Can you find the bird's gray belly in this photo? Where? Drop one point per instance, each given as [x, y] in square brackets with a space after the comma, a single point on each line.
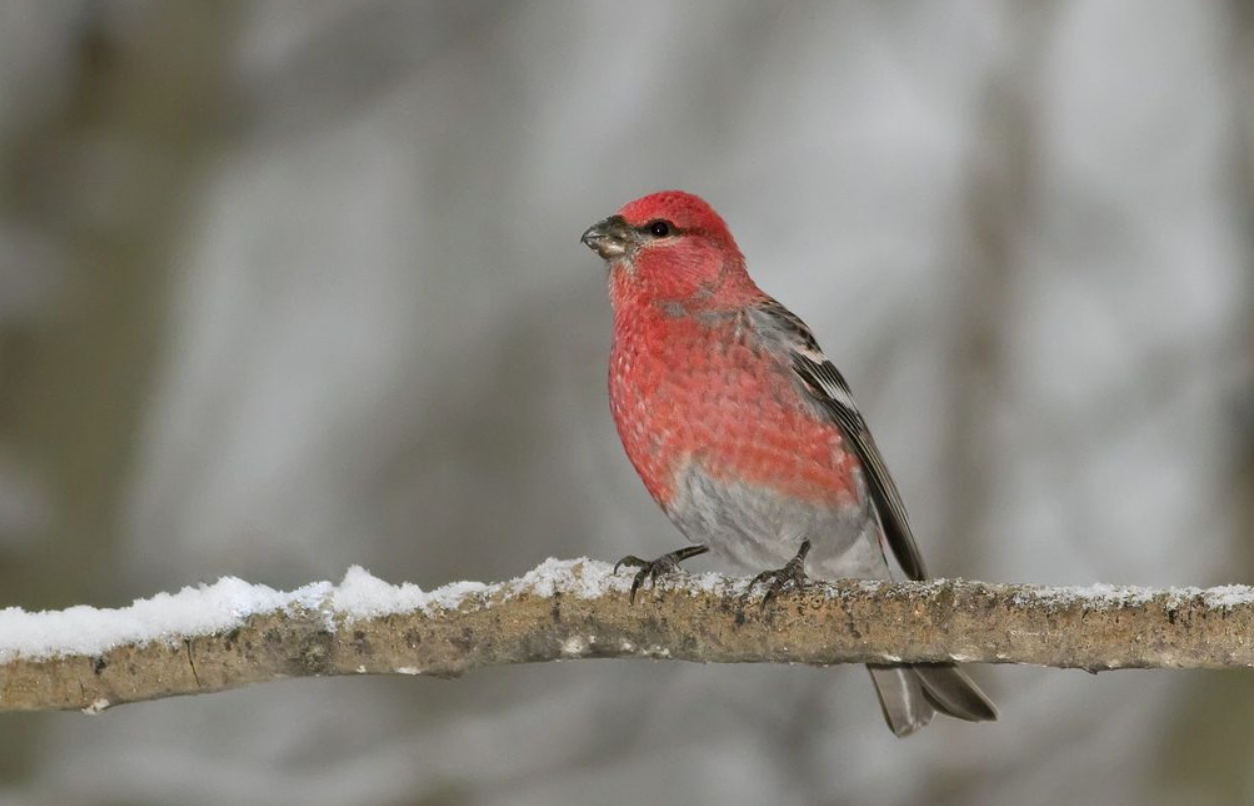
[759, 530]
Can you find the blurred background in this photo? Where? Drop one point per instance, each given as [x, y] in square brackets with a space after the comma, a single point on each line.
[290, 285]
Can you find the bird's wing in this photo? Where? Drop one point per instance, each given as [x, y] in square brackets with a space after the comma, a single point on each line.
[824, 383]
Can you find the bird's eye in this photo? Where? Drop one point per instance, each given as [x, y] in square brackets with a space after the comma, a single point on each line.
[660, 229]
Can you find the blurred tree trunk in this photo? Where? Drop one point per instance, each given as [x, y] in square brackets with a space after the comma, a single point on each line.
[997, 210]
[108, 175]
[1206, 752]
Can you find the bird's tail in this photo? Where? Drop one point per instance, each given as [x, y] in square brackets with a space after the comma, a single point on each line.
[912, 695]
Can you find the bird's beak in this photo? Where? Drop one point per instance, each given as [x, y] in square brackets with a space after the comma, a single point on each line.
[610, 238]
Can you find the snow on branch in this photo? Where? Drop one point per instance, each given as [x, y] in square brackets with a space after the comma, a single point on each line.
[231, 634]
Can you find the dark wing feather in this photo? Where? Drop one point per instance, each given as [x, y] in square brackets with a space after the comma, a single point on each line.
[828, 388]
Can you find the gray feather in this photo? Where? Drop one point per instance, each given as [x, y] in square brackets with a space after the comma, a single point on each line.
[952, 692]
[911, 695]
[906, 707]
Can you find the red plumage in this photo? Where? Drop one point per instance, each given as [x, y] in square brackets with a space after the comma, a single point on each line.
[684, 386]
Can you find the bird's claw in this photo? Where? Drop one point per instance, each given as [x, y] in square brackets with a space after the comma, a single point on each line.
[792, 575]
[652, 570]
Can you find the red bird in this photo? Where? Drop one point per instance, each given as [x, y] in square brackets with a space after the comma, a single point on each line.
[746, 435]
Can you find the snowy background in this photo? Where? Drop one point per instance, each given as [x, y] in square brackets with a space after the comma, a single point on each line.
[287, 286]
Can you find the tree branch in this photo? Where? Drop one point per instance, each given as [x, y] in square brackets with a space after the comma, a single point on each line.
[231, 634]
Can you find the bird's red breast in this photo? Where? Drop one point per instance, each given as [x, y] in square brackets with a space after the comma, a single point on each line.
[697, 386]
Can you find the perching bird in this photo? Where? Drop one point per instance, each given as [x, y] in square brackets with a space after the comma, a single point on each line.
[746, 435]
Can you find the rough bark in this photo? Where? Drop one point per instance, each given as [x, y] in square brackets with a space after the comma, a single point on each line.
[578, 609]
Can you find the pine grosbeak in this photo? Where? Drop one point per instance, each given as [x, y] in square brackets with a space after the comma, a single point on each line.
[746, 435]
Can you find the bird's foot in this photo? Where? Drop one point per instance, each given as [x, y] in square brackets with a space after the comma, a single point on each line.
[652, 570]
[792, 575]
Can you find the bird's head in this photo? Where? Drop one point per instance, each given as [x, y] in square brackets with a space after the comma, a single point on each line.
[671, 247]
